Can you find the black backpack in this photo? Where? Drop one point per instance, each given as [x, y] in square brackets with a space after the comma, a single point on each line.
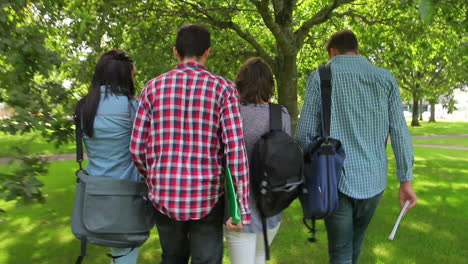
[276, 170]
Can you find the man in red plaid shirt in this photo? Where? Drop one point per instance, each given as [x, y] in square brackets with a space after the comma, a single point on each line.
[182, 118]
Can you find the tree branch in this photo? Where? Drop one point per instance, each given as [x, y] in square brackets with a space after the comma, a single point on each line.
[353, 13]
[323, 15]
[230, 25]
[263, 10]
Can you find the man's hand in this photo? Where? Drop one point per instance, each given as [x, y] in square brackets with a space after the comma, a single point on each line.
[407, 193]
[232, 227]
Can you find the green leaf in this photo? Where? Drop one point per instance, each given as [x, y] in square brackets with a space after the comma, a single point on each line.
[426, 11]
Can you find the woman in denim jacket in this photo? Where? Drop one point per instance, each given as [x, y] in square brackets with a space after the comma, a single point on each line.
[107, 117]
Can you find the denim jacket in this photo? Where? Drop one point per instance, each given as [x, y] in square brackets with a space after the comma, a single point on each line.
[108, 150]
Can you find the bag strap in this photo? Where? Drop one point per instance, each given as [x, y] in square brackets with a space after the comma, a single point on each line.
[80, 258]
[79, 134]
[119, 256]
[265, 237]
[326, 92]
[276, 122]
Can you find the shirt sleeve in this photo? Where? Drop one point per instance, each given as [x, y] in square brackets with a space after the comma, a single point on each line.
[141, 127]
[308, 126]
[236, 155]
[399, 134]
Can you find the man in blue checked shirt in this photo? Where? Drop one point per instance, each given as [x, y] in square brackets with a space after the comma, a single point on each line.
[366, 109]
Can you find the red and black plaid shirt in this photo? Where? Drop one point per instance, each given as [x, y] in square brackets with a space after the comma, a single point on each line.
[176, 141]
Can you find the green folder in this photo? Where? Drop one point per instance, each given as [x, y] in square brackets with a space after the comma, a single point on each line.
[231, 197]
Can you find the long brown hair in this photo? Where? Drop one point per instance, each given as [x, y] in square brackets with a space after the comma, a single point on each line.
[255, 81]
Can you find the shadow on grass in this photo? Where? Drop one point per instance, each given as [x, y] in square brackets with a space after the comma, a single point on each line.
[41, 233]
[433, 232]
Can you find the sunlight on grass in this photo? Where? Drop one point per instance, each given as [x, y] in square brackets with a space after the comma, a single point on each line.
[420, 227]
[457, 141]
[440, 128]
[25, 223]
[382, 250]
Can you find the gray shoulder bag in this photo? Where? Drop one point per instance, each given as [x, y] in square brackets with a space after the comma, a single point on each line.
[108, 211]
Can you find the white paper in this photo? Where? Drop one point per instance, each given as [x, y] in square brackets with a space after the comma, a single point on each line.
[397, 223]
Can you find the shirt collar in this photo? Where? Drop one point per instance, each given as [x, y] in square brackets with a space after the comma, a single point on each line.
[190, 64]
[348, 58]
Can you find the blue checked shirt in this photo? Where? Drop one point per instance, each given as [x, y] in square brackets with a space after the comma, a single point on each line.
[366, 109]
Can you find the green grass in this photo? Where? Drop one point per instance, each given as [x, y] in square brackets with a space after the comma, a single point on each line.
[440, 128]
[32, 144]
[433, 232]
[459, 141]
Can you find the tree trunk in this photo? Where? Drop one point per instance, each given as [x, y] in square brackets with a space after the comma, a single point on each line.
[421, 106]
[415, 121]
[432, 117]
[286, 80]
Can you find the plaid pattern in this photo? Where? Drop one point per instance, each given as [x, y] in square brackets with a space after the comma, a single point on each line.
[366, 108]
[175, 141]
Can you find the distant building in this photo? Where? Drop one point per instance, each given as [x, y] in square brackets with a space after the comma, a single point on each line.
[461, 106]
[441, 113]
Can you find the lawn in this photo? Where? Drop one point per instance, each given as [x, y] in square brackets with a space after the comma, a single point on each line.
[440, 128]
[32, 144]
[433, 232]
[35, 144]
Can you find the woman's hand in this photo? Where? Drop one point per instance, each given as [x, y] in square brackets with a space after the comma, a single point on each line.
[232, 227]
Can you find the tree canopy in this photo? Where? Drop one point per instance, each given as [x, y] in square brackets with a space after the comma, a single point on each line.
[48, 49]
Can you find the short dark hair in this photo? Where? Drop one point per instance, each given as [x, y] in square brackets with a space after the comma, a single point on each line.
[343, 41]
[192, 40]
[255, 81]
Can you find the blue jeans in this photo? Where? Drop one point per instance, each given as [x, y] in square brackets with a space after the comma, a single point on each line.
[201, 239]
[129, 256]
[346, 227]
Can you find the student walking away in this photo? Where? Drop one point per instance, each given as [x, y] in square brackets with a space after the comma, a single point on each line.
[255, 85]
[366, 108]
[183, 118]
[106, 114]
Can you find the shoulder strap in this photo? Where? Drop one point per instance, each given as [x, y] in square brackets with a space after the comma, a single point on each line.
[276, 122]
[79, 134]
[326, 91]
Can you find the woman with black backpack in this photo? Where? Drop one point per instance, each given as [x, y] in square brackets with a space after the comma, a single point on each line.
[255, 84]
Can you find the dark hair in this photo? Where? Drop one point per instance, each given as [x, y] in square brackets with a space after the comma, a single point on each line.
[255, 81]
[114, 71]
[192, 40]
[343, 41]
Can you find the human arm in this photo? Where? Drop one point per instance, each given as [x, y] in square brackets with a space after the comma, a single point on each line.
[308, 126]
[139, 139]
[402, 145]
[234, 149]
